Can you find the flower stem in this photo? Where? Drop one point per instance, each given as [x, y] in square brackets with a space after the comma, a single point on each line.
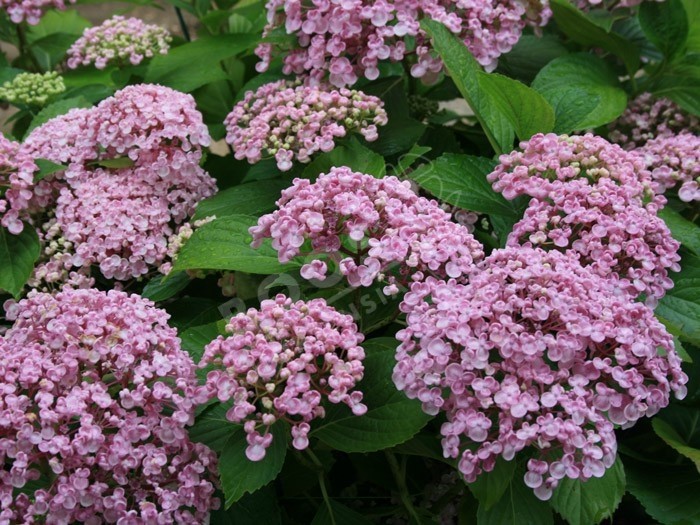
[399, 473]
[322, 482]
[183, 24]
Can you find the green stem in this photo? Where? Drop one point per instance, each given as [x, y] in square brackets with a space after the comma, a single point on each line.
[23, 45]
[322, 482]
[399, 473]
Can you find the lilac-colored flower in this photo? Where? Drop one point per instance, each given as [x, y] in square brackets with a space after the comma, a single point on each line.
[673, 160]
[646, 118]
[281, 362]
[617, 237]
[290, 122]
[118, 40]
[97, 393]
[378, 228]
[342, 41]
[536, 352]
[17, 175]
[30, 10]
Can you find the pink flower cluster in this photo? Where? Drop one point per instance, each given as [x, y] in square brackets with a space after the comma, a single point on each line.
[646, 118]
[538, 352]
[17, 175]
[675, 159]
[279, 363]
[589, 200]
[30, 10]
[117, 40]
[343, 40]
[95, 398]
[292, 122]
[119, 218]
[384, 231]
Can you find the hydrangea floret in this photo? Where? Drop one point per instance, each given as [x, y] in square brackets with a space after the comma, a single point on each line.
[647, 117]
[118, 218]
[32, 89]
[118, 40]
[536, 353]
[343, 41]
[379, 229]
[95, 400]
[30, 10]
[280, 363]
[674, 160]
[16, 179]
[291, 122]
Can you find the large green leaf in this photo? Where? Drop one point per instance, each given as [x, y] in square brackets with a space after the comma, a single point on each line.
[213, 429]
[53, 22]
[253, 198]
[160, 288]
[585, 31]
[590, 502]
[224, 244]
[529, 56]
[668, 494]
[239, 475]
[665, 24]
[583, 90]
[517, 506]
[391, 417]
[681, 83]
[195, 64]
[684, 231]
[692, 10]
[503, 106]
[351, 154]
[342, 515]
[489, 487]
[679, 427]
[18, 253]
[680, 307]
[259, 508]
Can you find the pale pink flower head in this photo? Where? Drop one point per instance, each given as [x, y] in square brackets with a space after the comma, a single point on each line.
[30, 10]
[97, 393]
[283, 362]
[118, 40]
[378, 230]
[17, 171]
[291, 122]
[674, 160]
[535, 353]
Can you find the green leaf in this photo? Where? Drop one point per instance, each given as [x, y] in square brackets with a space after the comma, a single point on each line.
[351, 154]
[665, 24]
[57, 108]
[684, 231]
[583, 90]
[54, 21]
[668, 494]
[681, 83]
[116, 163]
[18, 253]
[680, 307]
[158, 290]
[195, 64]
[51, 50]
[253, 198]
[239, 475]
[577, 26]
[503, 106]
[517, 506]
[259, 508]
[224, 244]
[590, 502]
[391, 417]
[529, 56]
[342, 515]
[460, 180]
[213, 429]
[87, 77]
[489, 487]
[692, 10]
[679, 427]
[46, 168]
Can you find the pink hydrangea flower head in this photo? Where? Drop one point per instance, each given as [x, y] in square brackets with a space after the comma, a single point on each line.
[97, 391]
[378, 228]
[17, 175]
[64, 139]
[546, 162]
[617, 237]
[536, 352]
[646, 118]
[291, 122]
[30, 10]
[281, 362]
[673, 160]
[118, 40]
[342, 41]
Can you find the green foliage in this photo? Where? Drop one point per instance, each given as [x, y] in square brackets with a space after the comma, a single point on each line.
[18, 253]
